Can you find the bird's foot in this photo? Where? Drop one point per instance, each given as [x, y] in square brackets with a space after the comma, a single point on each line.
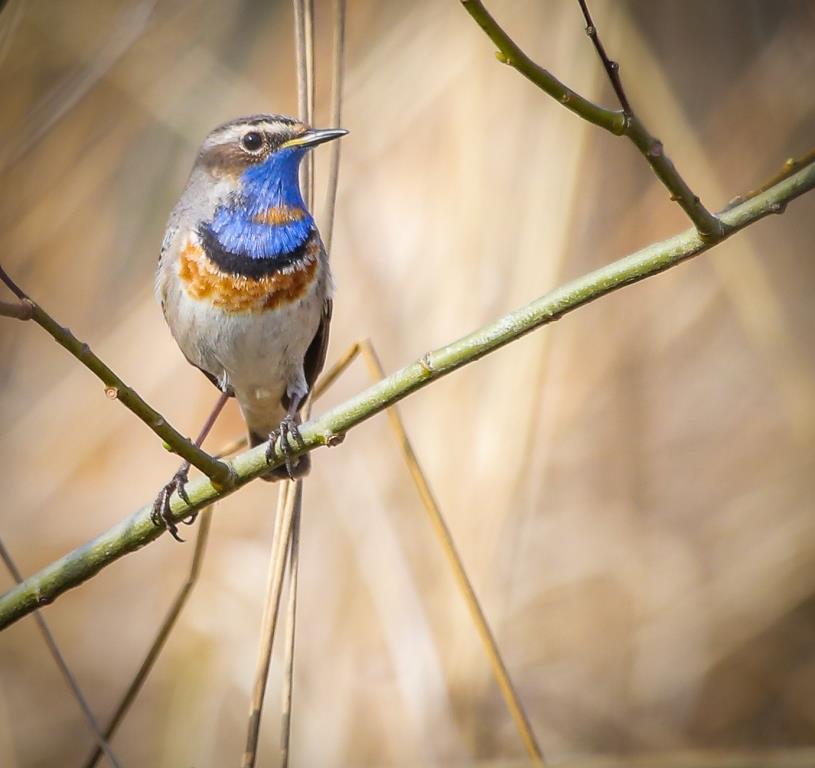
[161, 515]
[289, 426]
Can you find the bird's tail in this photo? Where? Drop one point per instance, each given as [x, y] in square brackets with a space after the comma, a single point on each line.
[300, 466]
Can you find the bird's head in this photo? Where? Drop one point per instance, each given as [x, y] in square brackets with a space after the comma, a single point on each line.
[254, 162]
[261, 152]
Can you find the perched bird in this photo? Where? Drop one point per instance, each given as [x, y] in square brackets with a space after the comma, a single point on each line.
[243, 278]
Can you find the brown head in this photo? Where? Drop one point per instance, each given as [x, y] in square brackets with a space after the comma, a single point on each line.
[232, 148]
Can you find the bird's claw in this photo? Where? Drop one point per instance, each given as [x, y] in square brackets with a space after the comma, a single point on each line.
[161, 515]
[289, 426]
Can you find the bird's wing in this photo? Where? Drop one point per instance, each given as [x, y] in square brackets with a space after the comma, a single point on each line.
[315, 354]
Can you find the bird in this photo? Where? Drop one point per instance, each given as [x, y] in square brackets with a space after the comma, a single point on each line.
[244, 282]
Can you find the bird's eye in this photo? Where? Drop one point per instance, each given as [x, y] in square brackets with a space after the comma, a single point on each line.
[252, 141]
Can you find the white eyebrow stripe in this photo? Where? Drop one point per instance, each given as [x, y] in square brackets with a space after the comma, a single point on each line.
[231, 133]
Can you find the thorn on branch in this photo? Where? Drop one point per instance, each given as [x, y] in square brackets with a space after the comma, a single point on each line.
[424, 361]
[334, 439]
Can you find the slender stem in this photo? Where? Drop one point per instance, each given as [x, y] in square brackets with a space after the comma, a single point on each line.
[288, 515]
[791, 165]
[329, 428]
[304, 43]
[181, 598]
[101, 739]
[218, 471]
[612, 67]
[499, 669]
[336, 370]
[337, 73]
[291, 617]
[509, 52]
[308, 114]
[620, 123]
[288, 499]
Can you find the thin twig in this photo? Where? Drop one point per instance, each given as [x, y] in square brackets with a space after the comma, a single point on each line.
[59, 659]
[163, 633]
[304, 37]
[219, 472]
[286, 503]
[710, 227]
[288, 649]
[337, 77]
[304, 45]
[330, 427]
[499, 669]
[178, 603]
[308, 114]
[791, 165]
[233, 446]
[612, 67]
[335, 371]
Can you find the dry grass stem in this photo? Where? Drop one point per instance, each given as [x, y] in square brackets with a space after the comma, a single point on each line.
[166, 627]
[65, 671]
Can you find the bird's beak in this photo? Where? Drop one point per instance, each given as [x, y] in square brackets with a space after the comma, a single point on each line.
[313, 137]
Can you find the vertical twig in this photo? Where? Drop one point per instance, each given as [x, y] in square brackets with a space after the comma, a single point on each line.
[286, 502]
[304, 34]
[304, 43]
[291, 615]
[337, 77]
[53, 648]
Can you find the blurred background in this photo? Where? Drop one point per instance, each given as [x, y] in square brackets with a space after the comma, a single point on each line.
[631, 489]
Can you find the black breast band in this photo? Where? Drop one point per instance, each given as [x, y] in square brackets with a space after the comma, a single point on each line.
[239, 264]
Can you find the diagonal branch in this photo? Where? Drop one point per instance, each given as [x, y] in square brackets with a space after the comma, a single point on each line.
[330, 428]
[612, 67]
[69, 677]
[218, 471]
[620, 123]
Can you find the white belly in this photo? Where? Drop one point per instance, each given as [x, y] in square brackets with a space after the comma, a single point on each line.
[258, 354]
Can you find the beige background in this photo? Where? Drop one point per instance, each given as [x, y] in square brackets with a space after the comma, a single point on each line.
[631, 489]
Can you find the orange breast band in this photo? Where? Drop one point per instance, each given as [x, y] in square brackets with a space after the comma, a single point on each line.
[203, 281]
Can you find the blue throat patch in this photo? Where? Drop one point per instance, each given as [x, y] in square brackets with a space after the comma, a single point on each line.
[237, 238]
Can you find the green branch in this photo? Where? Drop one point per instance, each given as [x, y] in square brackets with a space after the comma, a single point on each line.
[330, 428]
[619, 122]
[218, 471]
